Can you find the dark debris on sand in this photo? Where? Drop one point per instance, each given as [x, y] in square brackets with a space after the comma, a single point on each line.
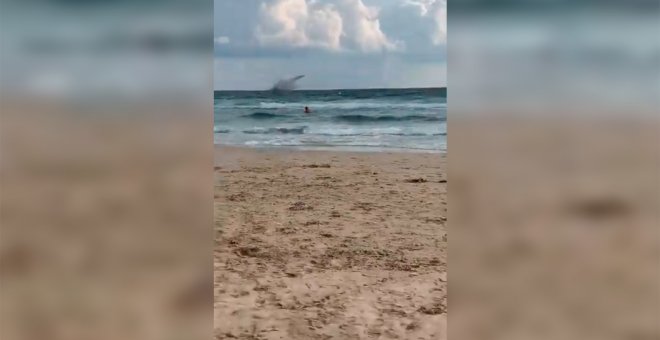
[314, 166]
[298, 206]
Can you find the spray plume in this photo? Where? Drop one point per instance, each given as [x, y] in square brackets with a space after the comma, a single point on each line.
[286, 84]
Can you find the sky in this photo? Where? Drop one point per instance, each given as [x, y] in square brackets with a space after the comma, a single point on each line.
[334, 43]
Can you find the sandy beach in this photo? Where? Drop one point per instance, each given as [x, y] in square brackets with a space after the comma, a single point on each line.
[329, 245]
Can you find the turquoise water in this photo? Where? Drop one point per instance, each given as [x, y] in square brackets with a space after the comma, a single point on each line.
[370, 119]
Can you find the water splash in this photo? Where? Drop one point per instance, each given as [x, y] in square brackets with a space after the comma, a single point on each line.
[286, 84]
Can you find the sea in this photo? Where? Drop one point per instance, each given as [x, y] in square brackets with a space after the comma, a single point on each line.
[413, 119]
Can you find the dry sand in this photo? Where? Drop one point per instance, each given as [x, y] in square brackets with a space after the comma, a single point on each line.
[330, 245]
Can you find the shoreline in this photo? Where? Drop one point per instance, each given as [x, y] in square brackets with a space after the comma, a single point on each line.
[356, 149]
[228, 154]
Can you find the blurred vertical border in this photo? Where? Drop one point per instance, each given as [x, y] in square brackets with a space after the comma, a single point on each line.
[554, 169]
[106, 169]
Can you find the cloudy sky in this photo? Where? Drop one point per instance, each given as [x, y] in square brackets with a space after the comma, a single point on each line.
[335, 43]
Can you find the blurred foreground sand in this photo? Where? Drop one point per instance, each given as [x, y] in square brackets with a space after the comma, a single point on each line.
[105, 223]
[555, 230]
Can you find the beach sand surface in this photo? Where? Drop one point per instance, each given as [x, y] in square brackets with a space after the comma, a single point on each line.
[329, 245]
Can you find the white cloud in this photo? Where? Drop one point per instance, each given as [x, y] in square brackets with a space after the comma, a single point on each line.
[328, 24]
[434, 11]
[221, 40]
[268, 39]
[420, 24]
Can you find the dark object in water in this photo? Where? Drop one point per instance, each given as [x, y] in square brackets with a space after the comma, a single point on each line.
[281, 130]
[263, 115]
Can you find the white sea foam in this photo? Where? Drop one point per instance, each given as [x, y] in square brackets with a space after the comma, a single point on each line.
[354, 104]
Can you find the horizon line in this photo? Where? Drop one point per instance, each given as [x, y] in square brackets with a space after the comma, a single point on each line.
[353, 88]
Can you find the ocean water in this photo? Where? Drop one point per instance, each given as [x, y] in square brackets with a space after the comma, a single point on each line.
[369, 119]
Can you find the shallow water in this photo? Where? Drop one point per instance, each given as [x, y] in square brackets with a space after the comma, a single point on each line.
[371, 119]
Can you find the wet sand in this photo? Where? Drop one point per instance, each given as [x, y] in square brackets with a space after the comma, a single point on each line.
[329, 245]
